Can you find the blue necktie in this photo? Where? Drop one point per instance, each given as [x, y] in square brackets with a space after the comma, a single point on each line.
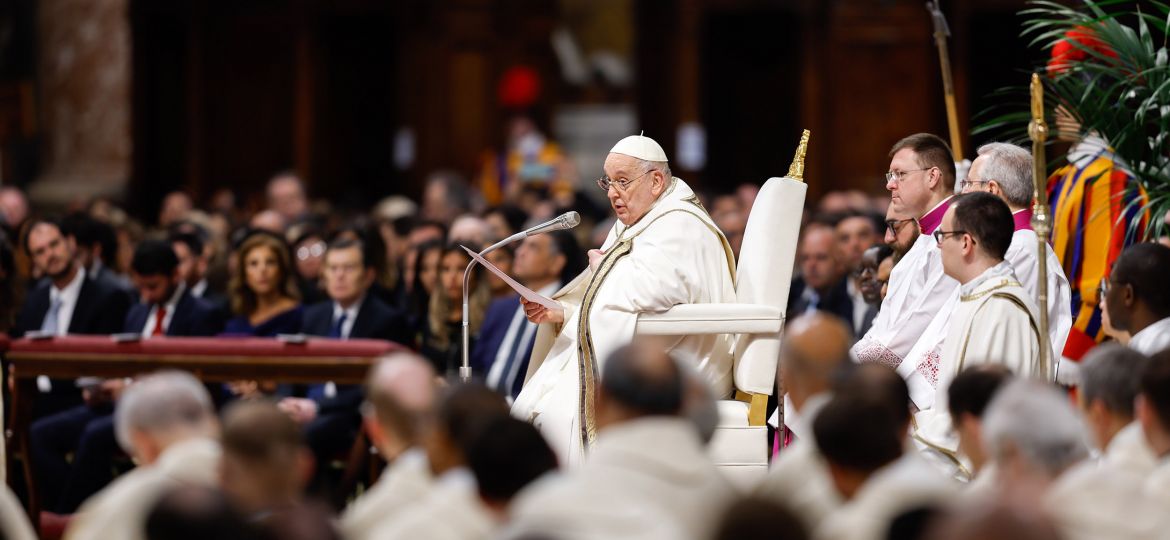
[813, 301]
[49, 325]
[504, 385]
[338, 323]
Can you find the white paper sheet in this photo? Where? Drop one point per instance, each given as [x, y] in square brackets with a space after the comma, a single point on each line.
[525, 292]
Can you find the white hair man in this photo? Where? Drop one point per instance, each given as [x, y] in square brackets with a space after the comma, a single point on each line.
[1103, 498]
[663, 250]
[167, 423]
[1032, 434]
[400, 401]
[1005, 170]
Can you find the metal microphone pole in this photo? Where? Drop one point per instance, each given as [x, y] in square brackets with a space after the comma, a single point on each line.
[564, 221]
[465, 368]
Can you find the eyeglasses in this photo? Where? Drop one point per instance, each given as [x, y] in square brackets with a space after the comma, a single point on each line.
[604, 182]
[1103, 288]
[939, 234]
[316, 249]
[964, 184]
[896, 176]
[894, 224]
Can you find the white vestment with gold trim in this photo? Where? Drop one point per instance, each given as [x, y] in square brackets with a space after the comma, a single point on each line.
[673, 255]
[994, 322]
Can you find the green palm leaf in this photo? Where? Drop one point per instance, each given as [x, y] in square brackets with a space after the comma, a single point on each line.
[1120, 91]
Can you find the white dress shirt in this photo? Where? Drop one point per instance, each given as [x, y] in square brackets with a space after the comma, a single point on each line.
[68, 298]
[520, 329]
[148, 328]
[350, 315]
[1153, 338]
[859, 304]
[199, 289]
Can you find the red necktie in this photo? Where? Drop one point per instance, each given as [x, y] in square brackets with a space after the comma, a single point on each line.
[159, 315]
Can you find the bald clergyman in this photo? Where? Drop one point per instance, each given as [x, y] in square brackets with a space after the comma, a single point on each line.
[664, 250]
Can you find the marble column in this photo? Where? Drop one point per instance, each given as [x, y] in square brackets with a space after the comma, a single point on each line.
[83, 67]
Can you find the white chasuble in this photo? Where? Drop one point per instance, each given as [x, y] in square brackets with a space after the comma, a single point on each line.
[673, 255]
[994, 322]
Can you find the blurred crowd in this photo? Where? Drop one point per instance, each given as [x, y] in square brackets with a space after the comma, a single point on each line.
[167, 456]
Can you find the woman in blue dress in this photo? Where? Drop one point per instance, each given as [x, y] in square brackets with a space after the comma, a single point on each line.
[265, 299]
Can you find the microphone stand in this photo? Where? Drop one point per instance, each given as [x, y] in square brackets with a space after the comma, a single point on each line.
[465, 368]
[564, 221]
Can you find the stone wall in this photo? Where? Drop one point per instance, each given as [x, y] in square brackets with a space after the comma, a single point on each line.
[83, 66]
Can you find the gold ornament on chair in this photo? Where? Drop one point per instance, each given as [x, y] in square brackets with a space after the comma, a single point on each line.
[796, 170]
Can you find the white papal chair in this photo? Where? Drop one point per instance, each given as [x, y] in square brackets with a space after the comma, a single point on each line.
[740, 446]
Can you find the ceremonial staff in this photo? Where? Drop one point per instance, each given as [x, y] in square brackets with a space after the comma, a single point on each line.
[1038, 132]
[941, 33]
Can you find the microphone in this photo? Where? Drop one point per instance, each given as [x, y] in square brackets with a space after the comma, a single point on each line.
[568, 220]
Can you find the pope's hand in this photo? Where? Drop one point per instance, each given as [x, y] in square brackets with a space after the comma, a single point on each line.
[595, 256]
[539, 314]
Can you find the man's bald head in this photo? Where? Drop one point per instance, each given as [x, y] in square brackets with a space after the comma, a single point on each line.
[401, 390]
[814, 348]
[639, 380]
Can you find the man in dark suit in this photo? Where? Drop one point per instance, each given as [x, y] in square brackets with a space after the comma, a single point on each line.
[328, 412]
[97, 245]
[190, 246]
[67, 301]
[81, 306]
[88, 430]
[543, 263]
[822, 283]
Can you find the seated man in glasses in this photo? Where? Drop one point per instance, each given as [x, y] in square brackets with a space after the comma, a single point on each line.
[663, 250]
[995, 320]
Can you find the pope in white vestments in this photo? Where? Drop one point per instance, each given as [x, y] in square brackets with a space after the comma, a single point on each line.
[663, 251]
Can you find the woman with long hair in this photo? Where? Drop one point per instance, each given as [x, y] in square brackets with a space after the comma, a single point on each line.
[263, 289]
[425, 274]
[442, 341]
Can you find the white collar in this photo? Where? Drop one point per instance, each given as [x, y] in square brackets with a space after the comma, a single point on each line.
[1086, 149]
[1152, 338]
[351, 311]
[199, 288]
[459, 478]
[1003, 269]
[175, 296]
[551, 288]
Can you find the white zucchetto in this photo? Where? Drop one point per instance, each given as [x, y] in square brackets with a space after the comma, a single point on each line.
[641, 147]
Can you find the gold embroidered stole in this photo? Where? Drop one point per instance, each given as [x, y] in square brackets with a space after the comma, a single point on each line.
[993, 292]
[587, 368]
